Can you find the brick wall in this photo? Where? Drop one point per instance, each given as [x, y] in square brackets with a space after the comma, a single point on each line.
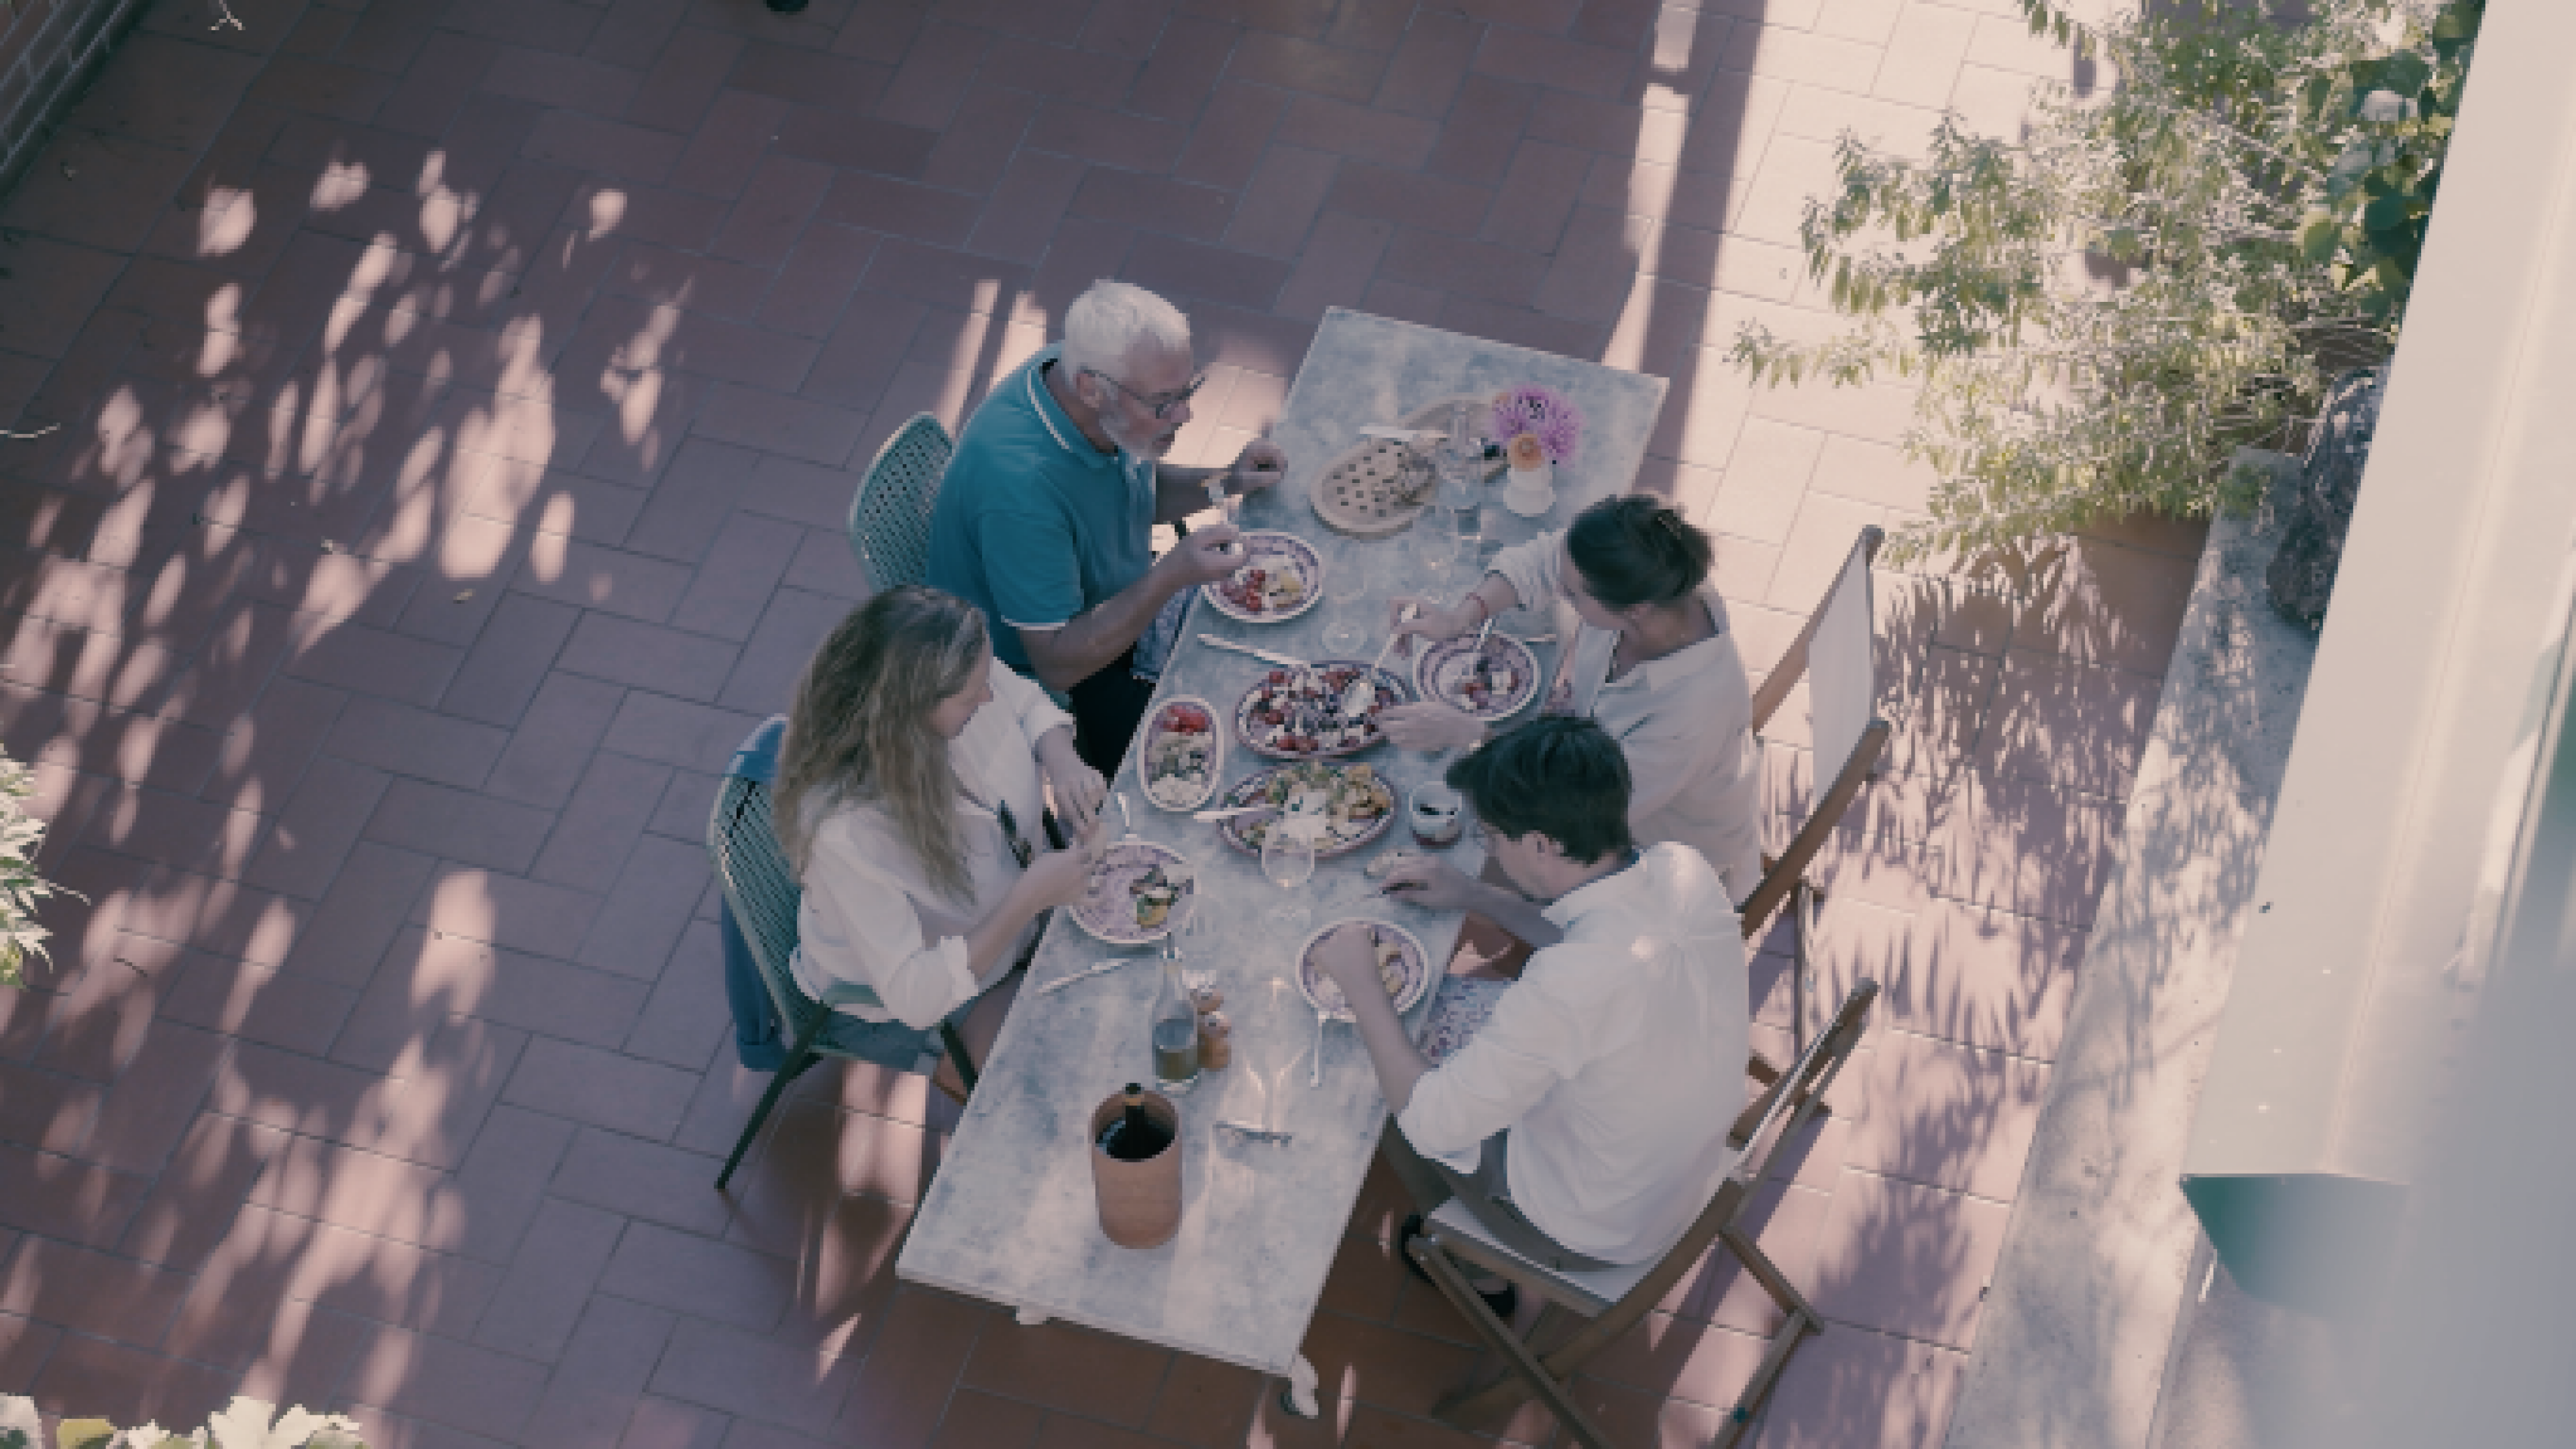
[48, 52]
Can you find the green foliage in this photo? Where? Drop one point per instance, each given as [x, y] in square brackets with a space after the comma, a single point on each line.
[2102, 312]
[243, 1424]
[20, 887]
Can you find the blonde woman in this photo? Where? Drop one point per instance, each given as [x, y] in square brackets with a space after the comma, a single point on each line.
[909, 804]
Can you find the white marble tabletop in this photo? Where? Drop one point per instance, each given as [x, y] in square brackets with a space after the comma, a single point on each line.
[1011, 1216]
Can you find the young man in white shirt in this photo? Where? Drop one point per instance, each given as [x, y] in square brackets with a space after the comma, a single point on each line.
[1585, 1124]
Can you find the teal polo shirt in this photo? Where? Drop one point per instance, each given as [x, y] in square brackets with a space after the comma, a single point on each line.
[1034, 525]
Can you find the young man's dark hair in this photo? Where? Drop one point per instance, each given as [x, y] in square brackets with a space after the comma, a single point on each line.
[1562, 776]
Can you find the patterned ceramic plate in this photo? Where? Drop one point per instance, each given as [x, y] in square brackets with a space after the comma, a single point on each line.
[1130, 899]
[1296, 714]
[1402, 963]
[1493, 683]
[1360, 806]
[1280, 578]
[1183, 755]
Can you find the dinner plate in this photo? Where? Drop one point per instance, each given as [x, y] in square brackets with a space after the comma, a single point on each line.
[1441, 669]
[1352, 835]
[1107, 908]
[1268, 551]
[1158, 728]
[1307, 706]
[1326, 997]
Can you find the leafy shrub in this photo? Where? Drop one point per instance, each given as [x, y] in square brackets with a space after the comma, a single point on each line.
[2102, 312]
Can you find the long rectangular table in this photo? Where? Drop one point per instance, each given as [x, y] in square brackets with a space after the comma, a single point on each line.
[1011, 1215]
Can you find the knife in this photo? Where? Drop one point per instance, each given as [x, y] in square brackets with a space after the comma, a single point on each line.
[1290, 660]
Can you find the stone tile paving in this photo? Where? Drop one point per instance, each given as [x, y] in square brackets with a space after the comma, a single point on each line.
[447, 412]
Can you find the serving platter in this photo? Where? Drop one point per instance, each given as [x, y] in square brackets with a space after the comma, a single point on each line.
[1182, 756]
[1296, 714]
[1363, 813]
[1378, 486]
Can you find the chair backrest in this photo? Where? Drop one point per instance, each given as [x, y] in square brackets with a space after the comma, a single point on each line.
[1836, 653]
[1824, 647]
[890, 516]
[1770, 1120]
[759, 887]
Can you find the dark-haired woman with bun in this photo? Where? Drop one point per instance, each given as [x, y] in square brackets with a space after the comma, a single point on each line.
[1653, 660]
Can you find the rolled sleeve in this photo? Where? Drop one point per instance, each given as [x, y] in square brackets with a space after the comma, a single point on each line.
[1511, 1065]
[857, 926]
[1031, 567]
[1027, 703]
[1530, 569]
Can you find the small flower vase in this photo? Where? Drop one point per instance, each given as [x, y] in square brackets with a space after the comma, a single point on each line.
[1530, 491]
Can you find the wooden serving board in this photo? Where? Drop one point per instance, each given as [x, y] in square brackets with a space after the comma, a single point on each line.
[1371, 492]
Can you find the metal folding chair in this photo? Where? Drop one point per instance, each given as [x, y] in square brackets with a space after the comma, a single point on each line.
[763, 895]
[1454, 1246]
[890, 515]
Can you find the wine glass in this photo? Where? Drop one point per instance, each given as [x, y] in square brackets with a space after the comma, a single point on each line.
[1288, 858]
[1348, 602]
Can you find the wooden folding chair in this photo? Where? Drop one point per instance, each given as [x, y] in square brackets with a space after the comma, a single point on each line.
[1836, 654]
[1454, 1245]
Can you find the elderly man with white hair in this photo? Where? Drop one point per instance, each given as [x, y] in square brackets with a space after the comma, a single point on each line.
[1046, 518]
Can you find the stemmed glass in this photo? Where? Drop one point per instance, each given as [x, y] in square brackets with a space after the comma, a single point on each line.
[1347, 600]
[1288, 858]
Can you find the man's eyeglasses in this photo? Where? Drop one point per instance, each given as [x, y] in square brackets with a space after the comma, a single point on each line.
[1161, 407]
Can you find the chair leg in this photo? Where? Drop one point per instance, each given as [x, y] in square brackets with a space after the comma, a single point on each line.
[1784, 1342]
[778, 1080]
[1475, 1402]
[956, 1047]
[1802, 925]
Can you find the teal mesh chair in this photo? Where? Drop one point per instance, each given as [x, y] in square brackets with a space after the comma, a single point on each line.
[763, 895]
[890, 517]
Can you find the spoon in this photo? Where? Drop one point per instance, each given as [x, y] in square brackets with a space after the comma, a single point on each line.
[1363, 690]
[1315, 1071]
[1121, 797]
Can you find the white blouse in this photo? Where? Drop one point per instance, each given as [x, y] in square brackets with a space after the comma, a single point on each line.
[870, 914]
[1685, 721]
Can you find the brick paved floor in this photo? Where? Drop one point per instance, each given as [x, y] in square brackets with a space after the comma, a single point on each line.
[455, 403]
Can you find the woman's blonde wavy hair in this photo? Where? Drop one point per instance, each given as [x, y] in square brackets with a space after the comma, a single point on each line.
[859, 730]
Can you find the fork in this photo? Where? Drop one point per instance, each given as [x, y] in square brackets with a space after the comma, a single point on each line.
[1363, 690]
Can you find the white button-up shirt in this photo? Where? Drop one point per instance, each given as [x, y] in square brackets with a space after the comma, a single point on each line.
[1617, 1061]
[1685, 722]
[871, 916]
